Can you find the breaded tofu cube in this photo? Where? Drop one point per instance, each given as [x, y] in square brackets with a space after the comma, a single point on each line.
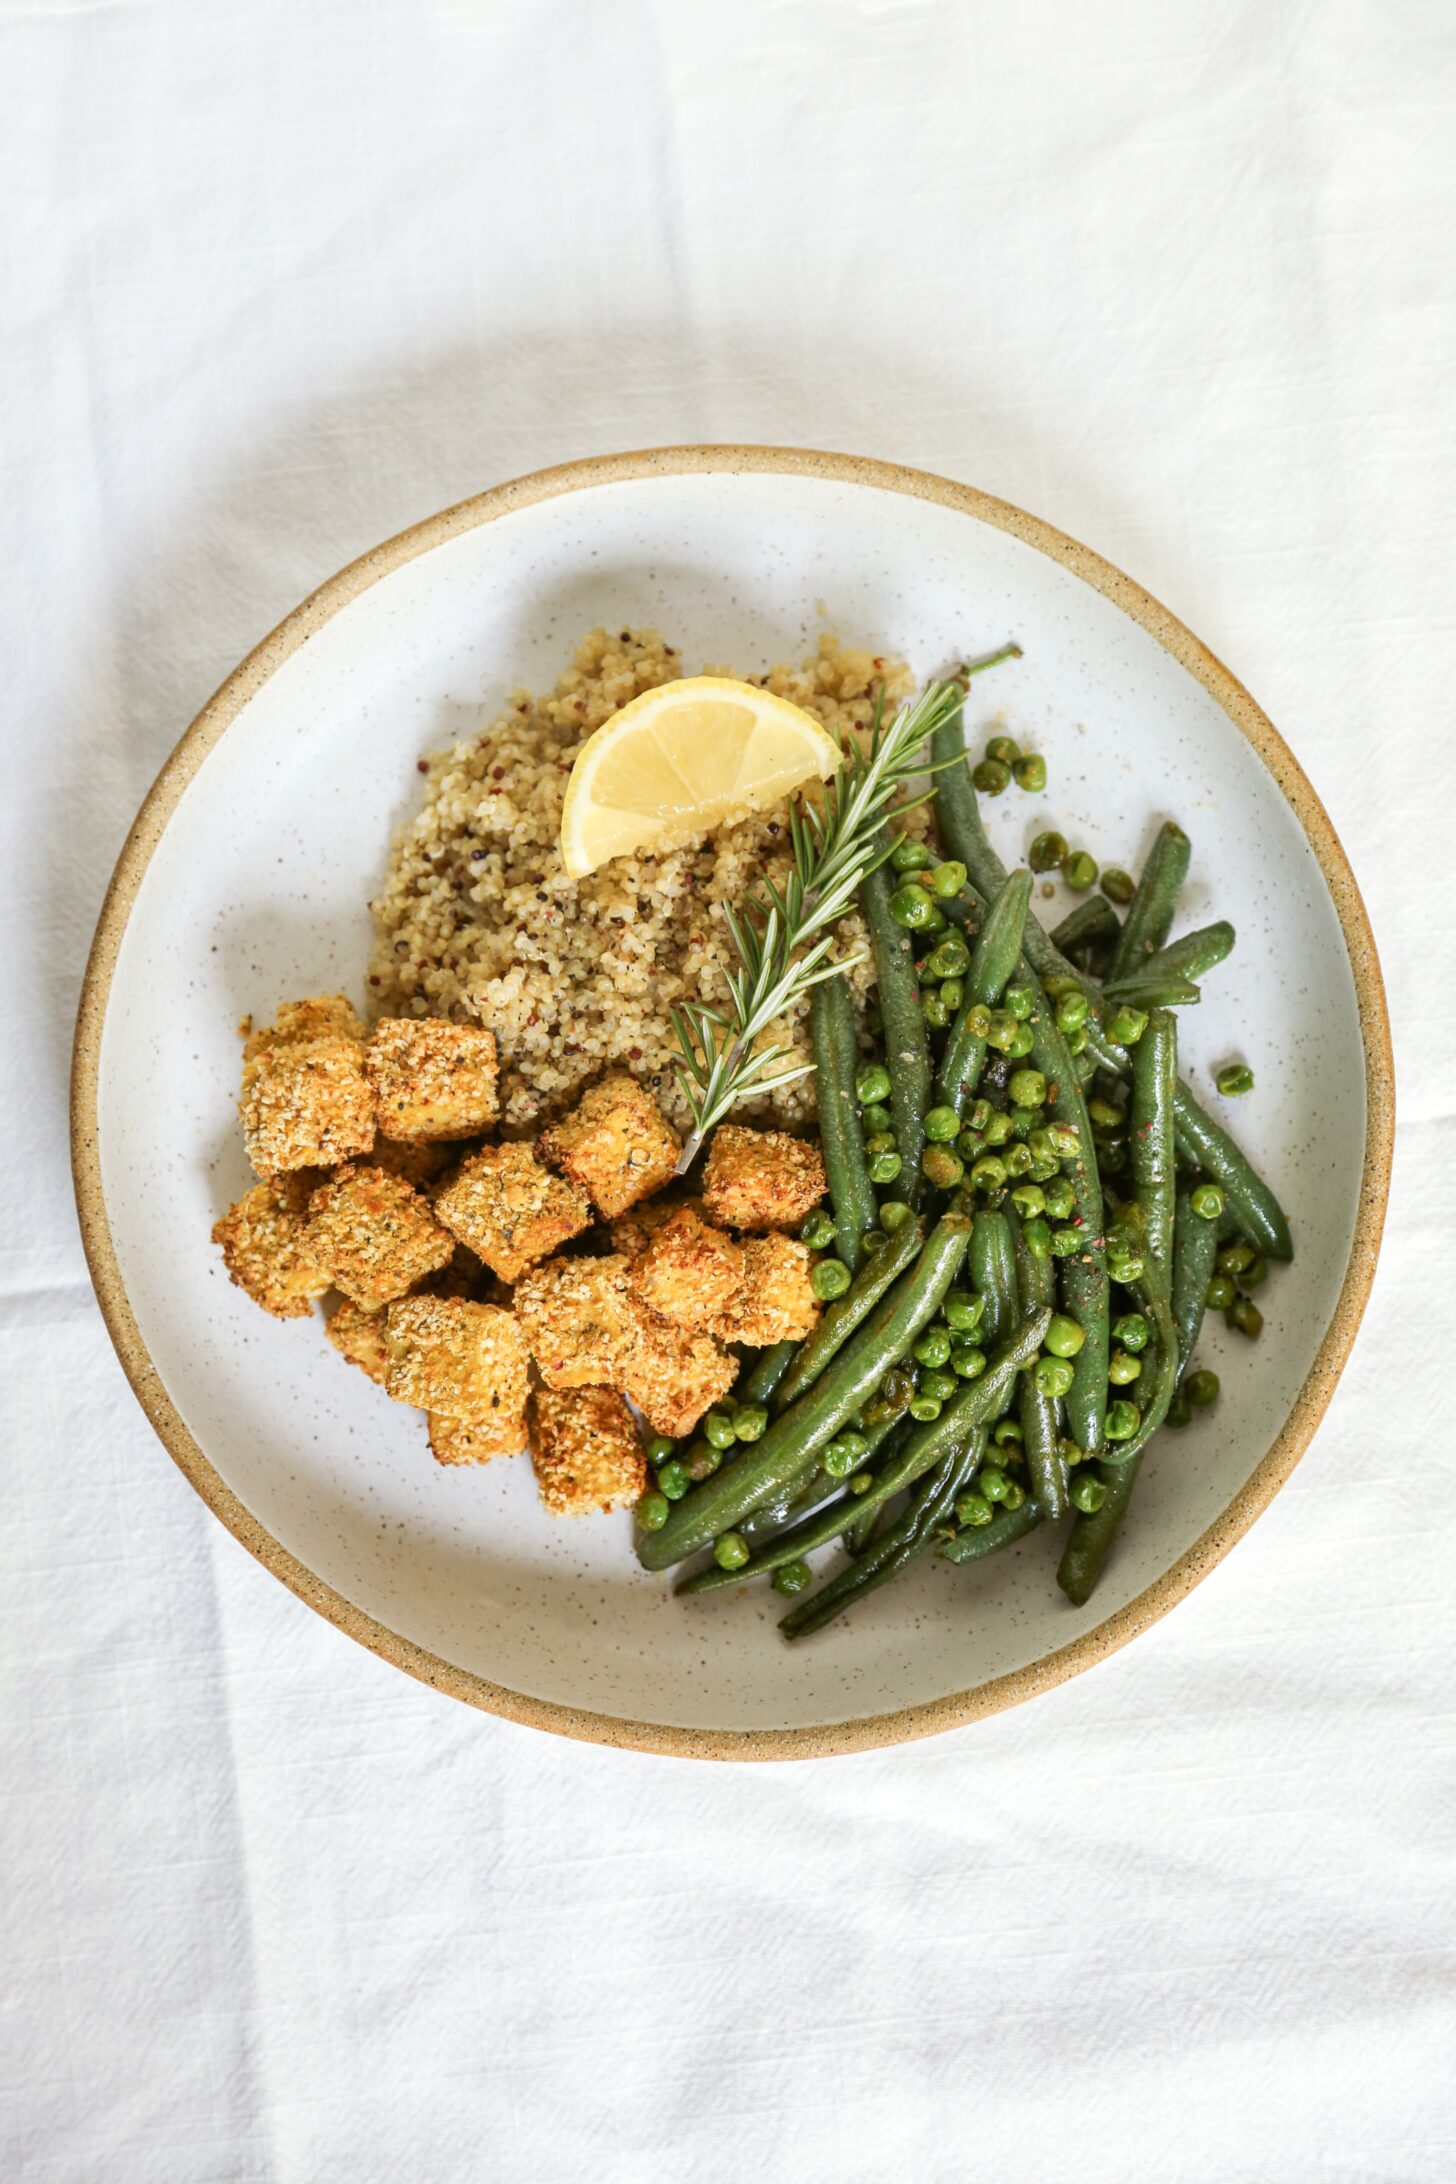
[375, 1236]
[306, 1106]
[673, 1376]
[775, 1302]
[761, 1179]
[616, 1143]
[421, 1163]
[467, 1361]
[690, 1273]
[299, 1023]
[511, 1210]
[452, 1441]
[266, 1247]
[586, 1451]
[633, 1231]
[432, 1078]
[359, 1336]
[578, 1320]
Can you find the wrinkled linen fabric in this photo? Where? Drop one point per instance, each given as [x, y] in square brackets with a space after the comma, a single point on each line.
[278, 280]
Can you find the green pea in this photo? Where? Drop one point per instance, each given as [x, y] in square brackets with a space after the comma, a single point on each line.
[1079, 1040]
[993, 1482]
[1006, 1432]
[1020, 1043]
[1104, 1114]
[881, 1141]
[935, 923]
[967, 1362]
[1123, 1420]
[951, 957]
[861, 1482]
[818, 1231]
[1253, 1276]
[933, 1348]
[941, 1385]
[1037, 1237]
[941, 1125]
[894, 1213]
[934, 1009]
[673, 1480]
[874, 1239]
[1028, 1087]
[948, 879]
[911, 907]
[873, 1085]
[658, 1449]
[1041, 1170]
[1234, 1080]
[963, 1309]
[908, 856]
[1206, 1201]
[1178, 1411]
[702, 1460]
[876, 1116]
[1061, 1197]
[988, 1173]
[973, 1510]
[1016, 1160]
[1003, 750]
[1047, 852]
[1014, 1496]
[1123, 1369]
[941, 1167]
[1118, 886]
[1087, 1493]
[1126, 1024]
[953, 993]
[829, 1279]
[1220, 1293]
[1054, 1375]
[980, 1114]
[992, 777]
[1029, 773]
[1066, 1139]
[653, 1511]
[1064, 1338]
[924, 1408]
[750, 1422]
[1236, 1258]
[730, 1551]
[1065, 1242]
[1071, 1011]
[791, 1578]
[1002, 1030]
[1125, 1267]
[1079, 870]
[719, 1430]
[884, 1167]
[1132, 1331]
[1201, 1389]
[1020, 1002]
[1028, 1199]
[1247, 1318]
[838, 1460]
[999, 1127]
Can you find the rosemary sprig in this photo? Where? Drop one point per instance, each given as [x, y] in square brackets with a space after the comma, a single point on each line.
[832, 844]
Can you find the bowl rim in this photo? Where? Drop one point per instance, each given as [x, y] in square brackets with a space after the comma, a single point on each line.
[871, 1731]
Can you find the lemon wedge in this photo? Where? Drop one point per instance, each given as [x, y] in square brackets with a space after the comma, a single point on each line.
[679, 760]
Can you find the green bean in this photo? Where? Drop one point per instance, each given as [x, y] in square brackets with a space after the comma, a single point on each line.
[930, 1507]
[1040, 1417]
[765, 1375]
[1195, 953]
[907, 1050]
[800, 1493]
[846, 1313]
[1152, 990]
[1257, 1213]
[991, 1264]
[835, 1043]
[1090, 925]
[1195, 1245]
[798, 1434]
[1150, 913]
[997, 952]
[1004, 1529]
[1154, 1080]
[975, 1406]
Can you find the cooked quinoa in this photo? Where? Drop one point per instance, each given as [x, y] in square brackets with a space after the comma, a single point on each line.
[478, 921]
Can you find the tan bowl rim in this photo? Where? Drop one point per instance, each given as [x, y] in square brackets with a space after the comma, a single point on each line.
[757, 1744]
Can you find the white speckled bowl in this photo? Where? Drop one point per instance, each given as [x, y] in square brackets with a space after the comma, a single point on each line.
[245, 882]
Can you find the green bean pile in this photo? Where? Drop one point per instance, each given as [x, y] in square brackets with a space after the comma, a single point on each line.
[1029, 1217]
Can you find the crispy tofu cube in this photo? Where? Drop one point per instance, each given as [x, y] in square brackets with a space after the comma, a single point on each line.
[775, 1302]
[511, 1210]
[761, 1179]
[375, 1236]
[673, 1376]
[299, 1023]
[266, 1247]
[359, 1336]
[586, 1451]
[615, 1143]
[452, 1441]
[578, 1320]
[690, 1273]
[306, 1105]
[633, 1231]
[431, 1078]
[467, 1361]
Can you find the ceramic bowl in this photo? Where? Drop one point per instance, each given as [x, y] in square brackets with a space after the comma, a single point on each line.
[245, 882]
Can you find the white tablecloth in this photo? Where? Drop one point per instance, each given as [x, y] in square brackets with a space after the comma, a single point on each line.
[279, 279]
